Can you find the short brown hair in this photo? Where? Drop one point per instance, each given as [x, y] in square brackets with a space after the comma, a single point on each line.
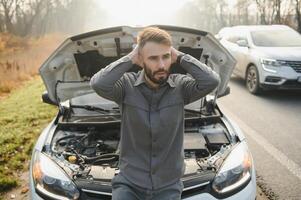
[153, 34]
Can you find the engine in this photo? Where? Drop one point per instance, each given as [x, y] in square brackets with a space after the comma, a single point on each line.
[93, 153]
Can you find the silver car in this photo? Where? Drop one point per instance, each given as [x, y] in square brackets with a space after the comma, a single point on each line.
[77, 154]
[268, 56]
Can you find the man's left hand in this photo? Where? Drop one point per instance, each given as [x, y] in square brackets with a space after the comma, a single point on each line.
[174, 54]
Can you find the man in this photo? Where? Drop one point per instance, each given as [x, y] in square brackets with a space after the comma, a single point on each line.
[152, 105]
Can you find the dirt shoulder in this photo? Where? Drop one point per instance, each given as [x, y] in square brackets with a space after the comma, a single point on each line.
[22, 191]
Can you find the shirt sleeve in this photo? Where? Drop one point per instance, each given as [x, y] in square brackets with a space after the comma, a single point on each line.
[203, 81]
[108, 82]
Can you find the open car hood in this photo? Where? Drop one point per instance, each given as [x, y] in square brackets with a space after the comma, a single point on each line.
[66, 73]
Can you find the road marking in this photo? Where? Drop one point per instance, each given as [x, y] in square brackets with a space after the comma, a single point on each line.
[293, 167]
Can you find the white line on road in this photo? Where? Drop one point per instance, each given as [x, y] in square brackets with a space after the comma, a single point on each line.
[294, 168]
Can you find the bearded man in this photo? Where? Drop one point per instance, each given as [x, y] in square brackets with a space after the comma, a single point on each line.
[152, 104]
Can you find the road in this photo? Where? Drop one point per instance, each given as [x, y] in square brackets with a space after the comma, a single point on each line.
[272, 125]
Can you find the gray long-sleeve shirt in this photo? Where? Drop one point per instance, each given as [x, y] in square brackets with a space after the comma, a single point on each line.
[152, 125]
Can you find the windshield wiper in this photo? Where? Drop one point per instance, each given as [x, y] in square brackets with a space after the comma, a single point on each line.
[97, 109]
[192, 110]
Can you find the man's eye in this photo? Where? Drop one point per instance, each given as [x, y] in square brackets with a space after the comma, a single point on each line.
[166, 56]
[153, 58]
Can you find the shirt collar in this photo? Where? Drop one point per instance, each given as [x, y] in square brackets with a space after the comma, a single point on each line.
[141, 79]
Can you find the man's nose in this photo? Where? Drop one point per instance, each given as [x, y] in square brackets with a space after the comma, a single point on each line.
[161, 63]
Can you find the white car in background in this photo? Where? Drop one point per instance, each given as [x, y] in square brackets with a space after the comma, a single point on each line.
[77, 154]
[268, 56]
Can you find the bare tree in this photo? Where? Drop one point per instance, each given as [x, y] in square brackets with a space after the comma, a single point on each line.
[277, 7]
[220, 15]
[35, 17]
[2, 26]
[26, 17]
[261, 6]
[298, 15]
[203, 14]
[270, 11]
[38, 17]
[9, 7]
[242, 12]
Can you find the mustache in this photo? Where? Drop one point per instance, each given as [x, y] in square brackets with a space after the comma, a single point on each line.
[160, 70]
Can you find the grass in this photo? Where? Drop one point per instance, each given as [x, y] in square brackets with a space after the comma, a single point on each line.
[11, 43]
[22, 118]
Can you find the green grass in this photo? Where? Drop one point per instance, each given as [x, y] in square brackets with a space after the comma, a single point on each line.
[23, 116]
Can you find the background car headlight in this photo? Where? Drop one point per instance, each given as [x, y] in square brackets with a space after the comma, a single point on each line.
[235, 171]
[271, 62]
[50, 180]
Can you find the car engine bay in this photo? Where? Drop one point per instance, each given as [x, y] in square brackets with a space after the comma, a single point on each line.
[88, 152]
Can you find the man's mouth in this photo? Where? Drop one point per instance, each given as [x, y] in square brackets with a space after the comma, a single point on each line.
[160, 73]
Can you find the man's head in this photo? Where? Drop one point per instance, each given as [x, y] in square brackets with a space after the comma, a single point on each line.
[155, 51]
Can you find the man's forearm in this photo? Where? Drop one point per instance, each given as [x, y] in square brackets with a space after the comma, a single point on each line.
[205, 79]
[105, 82]
[198, 70]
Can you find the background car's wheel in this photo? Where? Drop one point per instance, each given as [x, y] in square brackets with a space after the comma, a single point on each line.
[252, 80]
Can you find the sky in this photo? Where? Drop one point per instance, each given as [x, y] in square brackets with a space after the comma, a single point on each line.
[139, 12]
[109, 13]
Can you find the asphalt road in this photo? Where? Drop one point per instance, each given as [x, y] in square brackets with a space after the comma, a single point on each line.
[272, 125]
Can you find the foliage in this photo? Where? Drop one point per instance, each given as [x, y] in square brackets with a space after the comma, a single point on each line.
[22, 118]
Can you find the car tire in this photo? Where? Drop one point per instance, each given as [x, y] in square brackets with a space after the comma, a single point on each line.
[252, 80]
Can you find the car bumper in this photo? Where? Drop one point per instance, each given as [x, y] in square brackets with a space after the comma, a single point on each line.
[247, 193]
[286, 85]
[284, 78]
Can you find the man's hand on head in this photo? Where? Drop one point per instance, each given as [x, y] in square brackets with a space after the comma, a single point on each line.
[135, 56]
[174, 54]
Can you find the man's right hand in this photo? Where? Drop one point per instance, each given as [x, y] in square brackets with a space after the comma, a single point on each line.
[135, 56]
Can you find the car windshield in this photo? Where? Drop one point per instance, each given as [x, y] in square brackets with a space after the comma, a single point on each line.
[276, 38]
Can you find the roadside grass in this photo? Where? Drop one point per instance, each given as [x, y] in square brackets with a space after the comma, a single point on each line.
[23, 116]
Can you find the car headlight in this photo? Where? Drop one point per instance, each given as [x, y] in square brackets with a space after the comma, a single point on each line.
[271, 62]
[50, 180]
[235, 171]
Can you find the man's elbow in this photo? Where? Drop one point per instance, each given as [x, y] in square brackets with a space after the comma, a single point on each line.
[97, 86]
[215, 81]
[93, 83]
[97, 82]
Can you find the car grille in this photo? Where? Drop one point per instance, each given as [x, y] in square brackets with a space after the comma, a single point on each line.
[187, 192]
[195, 190]
[291, 84]
[296, 65]
[93, 195]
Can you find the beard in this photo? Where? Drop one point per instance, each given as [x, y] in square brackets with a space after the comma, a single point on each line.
[151, 75]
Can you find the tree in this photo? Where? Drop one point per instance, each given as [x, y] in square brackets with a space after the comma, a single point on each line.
[298, 15]
[242, 11]
[8, 8]
[26, 17]
[36, 17]
[277, 7]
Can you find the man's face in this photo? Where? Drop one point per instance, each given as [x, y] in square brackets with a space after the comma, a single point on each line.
[156, 61]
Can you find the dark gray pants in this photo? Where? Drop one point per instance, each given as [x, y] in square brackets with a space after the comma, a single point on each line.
[125, 190]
